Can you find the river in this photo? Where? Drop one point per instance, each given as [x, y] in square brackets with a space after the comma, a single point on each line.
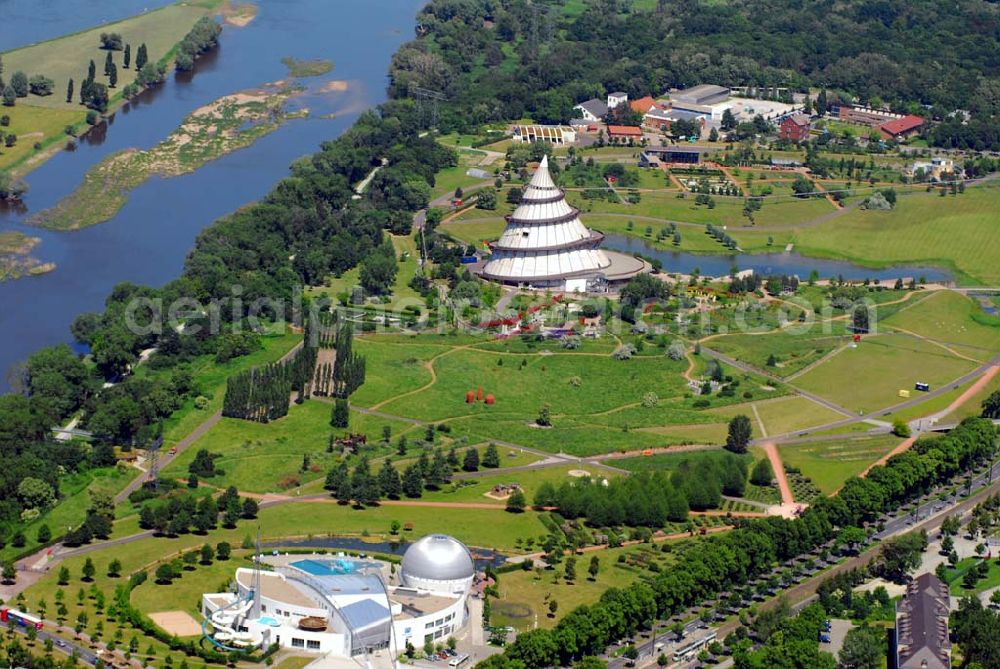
[147, 241]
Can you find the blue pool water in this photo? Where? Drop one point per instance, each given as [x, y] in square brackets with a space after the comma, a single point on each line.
[325, 567]
[269, 621]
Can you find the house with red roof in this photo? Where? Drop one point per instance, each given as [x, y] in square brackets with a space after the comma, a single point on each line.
[642, 105]
[624, 132]
[795, 128]
[901, 128]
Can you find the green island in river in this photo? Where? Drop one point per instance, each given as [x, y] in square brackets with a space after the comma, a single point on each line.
[232, 122]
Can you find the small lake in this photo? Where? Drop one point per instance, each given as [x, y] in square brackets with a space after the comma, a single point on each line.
[764, 263]
[482, 556]
[147, 241]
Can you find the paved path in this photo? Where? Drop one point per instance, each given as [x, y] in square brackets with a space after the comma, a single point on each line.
[779, 473]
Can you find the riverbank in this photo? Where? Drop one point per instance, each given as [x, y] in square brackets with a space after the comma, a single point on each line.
[16, 259]
[230, 123]
[46, 123]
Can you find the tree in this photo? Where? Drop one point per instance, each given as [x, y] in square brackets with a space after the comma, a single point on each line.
[109, 63]
[114, 568]
[553, 607]
[127, 56]
[164, 574]
[864, 648]
[491, 458]
[739, 434]
[113, 76]
[340, 415]
[569, 570]
[206, 554]
[902, 554]
[141, 57]
[762, 473]
[41, 85]
[991, 405]
[9, 572]
[35, 493]
[111, 41]
[9, 96]
[413, 482]
[594, 568]
[88, 570]
[19, 82]
[64, 576]
[486, 199]
[516, 502]
[544, 417]
[44, 534]
[470, 462]
[69, 90]
[223, 550]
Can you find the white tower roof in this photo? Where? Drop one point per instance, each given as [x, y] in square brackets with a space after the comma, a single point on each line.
[545, 240]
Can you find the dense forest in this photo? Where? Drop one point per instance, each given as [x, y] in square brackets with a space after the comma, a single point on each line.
[506, 59]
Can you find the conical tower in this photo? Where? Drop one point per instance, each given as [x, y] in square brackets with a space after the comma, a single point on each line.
[545, 242]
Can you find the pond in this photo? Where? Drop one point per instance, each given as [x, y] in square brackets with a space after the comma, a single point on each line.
[764, 263]
[147, 241]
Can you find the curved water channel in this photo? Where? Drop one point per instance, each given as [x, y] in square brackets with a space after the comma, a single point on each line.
[765, 263]
[146, 242]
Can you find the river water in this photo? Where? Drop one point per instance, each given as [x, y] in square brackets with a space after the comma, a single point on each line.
[149, 238]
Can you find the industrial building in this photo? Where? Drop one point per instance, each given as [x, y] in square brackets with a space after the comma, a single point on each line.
[707, 99]
[343, 606]
[558, 135]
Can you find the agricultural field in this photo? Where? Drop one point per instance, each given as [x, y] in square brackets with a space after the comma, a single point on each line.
[829, 463]
[869, 377]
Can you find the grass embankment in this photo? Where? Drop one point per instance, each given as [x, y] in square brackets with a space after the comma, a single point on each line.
[230, 123]
[41, 120]
[15, 256]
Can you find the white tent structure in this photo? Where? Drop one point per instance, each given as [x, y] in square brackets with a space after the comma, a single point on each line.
[545, 243]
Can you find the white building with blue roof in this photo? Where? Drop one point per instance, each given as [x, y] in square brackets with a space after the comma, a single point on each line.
[344, 606]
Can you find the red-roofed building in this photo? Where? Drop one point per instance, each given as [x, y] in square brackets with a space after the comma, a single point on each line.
[642, 105]
[901, 128]
[795, 128]
[624, 132]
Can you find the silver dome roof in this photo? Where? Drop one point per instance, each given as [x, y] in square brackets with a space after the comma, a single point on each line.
[438, 557]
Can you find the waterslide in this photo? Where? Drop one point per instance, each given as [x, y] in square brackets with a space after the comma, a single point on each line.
[224, 621]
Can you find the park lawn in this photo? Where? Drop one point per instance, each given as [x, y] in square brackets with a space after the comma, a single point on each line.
[793, 348]
[475, 489]
[790, 211]
[67, 57]
[407, 269]
[947, 317]
[267, 457]
[71, 509]
[34, 124]
[932, 405]
[525, 382]
[666, 207]
[395, 365]
[695, 433]
[210, 377]
[830, 463]
[450, 178]
[868, 378]
[694, 239]
[955, 575]
[475, 234]
[671, 461]
[184, 593]
[525, 595]
[954, 232]
[782, 415]
[295, 662]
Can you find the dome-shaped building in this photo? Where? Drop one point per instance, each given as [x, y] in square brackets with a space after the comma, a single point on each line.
[438, 563]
